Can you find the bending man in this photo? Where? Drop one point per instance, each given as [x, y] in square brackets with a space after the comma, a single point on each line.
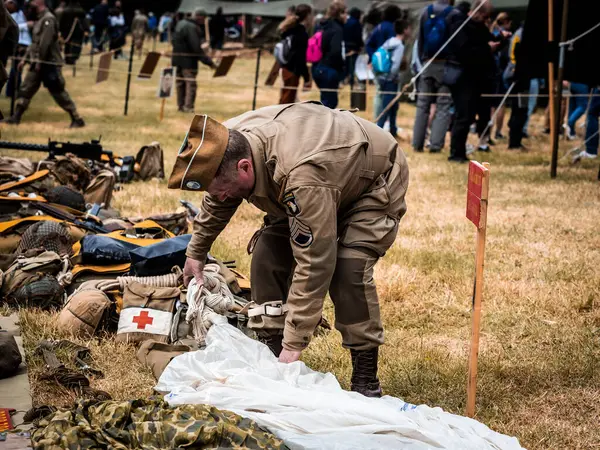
[332, 186]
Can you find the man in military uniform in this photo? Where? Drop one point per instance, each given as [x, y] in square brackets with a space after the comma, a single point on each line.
[45, 67]
[333, 188]
[187, 51]
[139, 28]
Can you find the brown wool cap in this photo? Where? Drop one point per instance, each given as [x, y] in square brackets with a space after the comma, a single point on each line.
[200, 155]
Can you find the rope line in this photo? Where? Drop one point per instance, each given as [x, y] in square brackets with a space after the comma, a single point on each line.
[570, 42]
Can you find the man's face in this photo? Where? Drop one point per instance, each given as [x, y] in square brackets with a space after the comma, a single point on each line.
[236, 184]
[484, 14]
[11, 6]
[200, 20]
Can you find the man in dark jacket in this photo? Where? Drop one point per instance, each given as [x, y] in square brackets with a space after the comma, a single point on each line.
[472, 49]
[100, 22]
[353, 41]
[431, 82]
[187, 50]
[73, 26]
[216, 27]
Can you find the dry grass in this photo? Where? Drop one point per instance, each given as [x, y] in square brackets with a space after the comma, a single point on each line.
[539, 373]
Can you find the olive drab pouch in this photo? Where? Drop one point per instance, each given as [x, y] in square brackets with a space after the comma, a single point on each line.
[100, 189]
[175, 222]
[149, 162]
[147, 313]
[84, 312]
[157, 355]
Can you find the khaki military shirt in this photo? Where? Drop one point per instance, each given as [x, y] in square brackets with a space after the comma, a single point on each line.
[339, 179]
[44, 46]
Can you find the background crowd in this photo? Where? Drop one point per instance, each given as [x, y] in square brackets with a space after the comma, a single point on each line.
[462, 57]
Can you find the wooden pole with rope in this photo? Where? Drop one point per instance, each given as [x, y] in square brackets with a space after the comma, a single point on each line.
[162, 109]
[551, 84]
[561, 76]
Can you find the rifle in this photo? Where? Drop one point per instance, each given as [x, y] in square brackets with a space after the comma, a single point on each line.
[86, 150]
[86, 223]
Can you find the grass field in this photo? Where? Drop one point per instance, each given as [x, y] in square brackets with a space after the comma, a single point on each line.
[539, 364]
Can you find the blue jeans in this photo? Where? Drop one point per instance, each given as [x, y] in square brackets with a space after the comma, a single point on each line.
[592, 125]
[578, 104]
[327, 78]
[391, 88]
[534, 90]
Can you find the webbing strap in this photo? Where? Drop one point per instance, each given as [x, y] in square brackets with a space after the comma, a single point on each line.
[271, 309]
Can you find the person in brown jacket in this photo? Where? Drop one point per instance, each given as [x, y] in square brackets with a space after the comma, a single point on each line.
[333, 188]
[46, 62]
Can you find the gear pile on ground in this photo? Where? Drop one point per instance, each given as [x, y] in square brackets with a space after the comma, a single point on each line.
[63, 248]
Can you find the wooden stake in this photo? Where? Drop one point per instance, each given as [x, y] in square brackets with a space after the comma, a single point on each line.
[477, 295]
[551, 83]
[561, 76]
[244, 30]
[162, 109]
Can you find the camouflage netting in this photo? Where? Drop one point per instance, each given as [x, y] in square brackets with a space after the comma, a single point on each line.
[51, 236]
[149, 424]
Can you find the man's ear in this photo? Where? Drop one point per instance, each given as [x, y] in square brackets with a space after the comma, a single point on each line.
[245, 165]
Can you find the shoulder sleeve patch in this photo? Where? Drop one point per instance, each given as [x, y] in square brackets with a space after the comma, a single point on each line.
[291, 205]
[300, 233]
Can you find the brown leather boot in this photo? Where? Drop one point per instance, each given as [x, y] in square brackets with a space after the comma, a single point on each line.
[364, 372]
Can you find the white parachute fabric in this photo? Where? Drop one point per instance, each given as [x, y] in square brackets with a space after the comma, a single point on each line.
[308, 409]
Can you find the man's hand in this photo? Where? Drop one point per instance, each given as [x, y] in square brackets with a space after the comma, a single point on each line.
[494, 45]
[289, 356]
[193, 269]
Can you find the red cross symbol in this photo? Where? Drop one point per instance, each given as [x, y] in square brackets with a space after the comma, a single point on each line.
[142, 320]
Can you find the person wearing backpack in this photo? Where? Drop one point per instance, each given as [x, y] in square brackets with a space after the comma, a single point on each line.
[292, 54]
[433, 34]
[393, 50]
[329, 70]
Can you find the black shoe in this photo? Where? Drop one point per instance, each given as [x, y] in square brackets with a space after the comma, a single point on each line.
[520, 147]
[484, 148]
[418, 150]
[458, 159]
[435, 150]
[364, 372]
[525, 135]
[490, 142]
[546, 130]
[499, 136]
[77, 123]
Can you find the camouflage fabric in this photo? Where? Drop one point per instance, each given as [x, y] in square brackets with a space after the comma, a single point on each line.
[149, 424]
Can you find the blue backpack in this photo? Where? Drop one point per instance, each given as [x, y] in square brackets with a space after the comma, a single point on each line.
[381, 61]
[434, 31]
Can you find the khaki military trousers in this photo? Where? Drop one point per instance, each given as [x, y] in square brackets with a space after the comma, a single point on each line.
[53, 80]
[186, 89]
[352, 288]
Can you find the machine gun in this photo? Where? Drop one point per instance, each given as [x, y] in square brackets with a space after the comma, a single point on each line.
[87, 150]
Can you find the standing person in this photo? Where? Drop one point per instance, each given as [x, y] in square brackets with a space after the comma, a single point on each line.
[433, 34]
[353, 41]
[24, 42]
[294, 28]
[519, 103]
[44, 47]
[578, 103]
[152, 25]
[100, 22]
[187, 51]
[502, 26]
[164, 25]
[381, 33]
[117, 31]
[591, 132]
[534, 90]
[216, 28]
[328, 72]
[9, 37]
[333, 191]
[73, 28]
[472, 50]
[388, 82]
[139, 28]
